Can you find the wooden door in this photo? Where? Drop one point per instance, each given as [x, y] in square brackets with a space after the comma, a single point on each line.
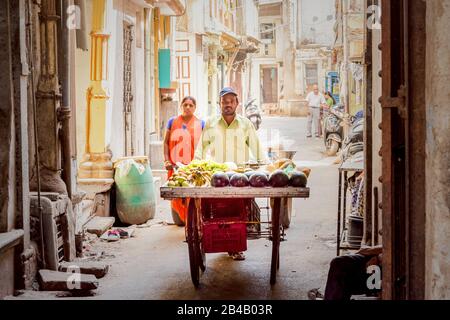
[403, 150]
[184, 77]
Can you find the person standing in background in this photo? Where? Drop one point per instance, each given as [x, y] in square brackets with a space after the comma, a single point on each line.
[315, 101]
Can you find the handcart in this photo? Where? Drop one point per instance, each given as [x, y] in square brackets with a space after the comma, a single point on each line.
[218, 217]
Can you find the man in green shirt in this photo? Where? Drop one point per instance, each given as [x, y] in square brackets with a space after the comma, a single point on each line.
[230, 137]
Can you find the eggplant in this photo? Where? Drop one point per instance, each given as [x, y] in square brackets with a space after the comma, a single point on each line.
[239, 180]
[259, 180]
[220, 180]
[279, 179]
[298, 180]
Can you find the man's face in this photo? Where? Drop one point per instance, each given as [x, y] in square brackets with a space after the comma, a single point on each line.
[316, 89]
[229, 104]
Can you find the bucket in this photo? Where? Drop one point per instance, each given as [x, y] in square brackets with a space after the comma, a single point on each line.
[355, 230]
[135, 190]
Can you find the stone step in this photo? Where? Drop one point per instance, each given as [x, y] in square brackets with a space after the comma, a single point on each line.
[99, 225]
[62, 281]
[99, 270]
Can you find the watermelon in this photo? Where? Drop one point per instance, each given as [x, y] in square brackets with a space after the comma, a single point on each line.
[239, 180]
[220, 180]
[279, 179]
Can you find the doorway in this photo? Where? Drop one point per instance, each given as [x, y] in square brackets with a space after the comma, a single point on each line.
[269, 86]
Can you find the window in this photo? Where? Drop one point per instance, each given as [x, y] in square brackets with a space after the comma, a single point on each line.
[267, 31]
[311, 74]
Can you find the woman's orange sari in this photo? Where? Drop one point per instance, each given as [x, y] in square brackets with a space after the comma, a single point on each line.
[182, 142]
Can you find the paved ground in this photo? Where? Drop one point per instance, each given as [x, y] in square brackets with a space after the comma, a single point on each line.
[154, 264]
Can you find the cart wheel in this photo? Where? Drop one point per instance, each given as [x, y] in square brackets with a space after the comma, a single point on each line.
[275, 264]
[202, 257]
[193, 244]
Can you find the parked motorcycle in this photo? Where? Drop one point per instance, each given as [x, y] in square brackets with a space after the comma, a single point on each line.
[253, 113]
[353, 144]
[332, 130]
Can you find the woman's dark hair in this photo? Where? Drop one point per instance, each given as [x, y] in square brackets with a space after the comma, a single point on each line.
[331, 96]
[189, 98]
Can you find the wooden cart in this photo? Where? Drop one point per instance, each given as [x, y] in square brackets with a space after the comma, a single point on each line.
[194, 223]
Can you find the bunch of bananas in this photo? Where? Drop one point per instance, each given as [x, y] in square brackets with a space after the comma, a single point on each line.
[197, 174]
[179, 180]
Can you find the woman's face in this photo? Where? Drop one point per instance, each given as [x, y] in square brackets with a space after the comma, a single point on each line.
[188, 108]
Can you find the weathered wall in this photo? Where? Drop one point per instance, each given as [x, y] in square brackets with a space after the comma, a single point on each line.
[6, 120]
[376, 120]
[317, 20]
[7, 272]
[437, 149]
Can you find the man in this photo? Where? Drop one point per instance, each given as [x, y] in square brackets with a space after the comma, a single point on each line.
[315, 101]
[348, 274]
[230, 137]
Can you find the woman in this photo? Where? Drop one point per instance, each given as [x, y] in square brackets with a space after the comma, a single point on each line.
[182, 135]
[325, 109]
[330, 100]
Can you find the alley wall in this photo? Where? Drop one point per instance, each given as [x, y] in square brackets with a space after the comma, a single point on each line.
[438, 156]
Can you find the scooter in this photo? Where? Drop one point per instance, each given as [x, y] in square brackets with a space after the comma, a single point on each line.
[353, 144]
[333, 131]
[253, 113]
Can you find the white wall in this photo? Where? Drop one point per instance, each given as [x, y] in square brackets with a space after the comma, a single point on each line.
[437, 257]
[315, 15]
[116, 137]
[114, 83]
[196, 11]
[251, 19]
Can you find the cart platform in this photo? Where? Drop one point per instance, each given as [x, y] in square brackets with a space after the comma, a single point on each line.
[170, 193]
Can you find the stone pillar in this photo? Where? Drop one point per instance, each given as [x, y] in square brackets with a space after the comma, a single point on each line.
[96, 163]
[437, 268]
[48, 99]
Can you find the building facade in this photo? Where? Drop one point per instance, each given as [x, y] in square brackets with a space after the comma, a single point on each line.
[294, 54]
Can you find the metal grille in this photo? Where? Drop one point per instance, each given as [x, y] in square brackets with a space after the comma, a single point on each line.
[128, 87]
[59, 239]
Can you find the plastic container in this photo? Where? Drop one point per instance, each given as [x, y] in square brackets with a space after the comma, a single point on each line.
[224, 237]
[135, 190]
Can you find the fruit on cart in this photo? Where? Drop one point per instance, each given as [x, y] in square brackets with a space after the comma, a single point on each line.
[231, 166]
[197, 174]
[279, 179]
[306, 171]
[239, 180]
[259, 180]
[230, 174]
[298, 180]
[220, 180]
[249, 173]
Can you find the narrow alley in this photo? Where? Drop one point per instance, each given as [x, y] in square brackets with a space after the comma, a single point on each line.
[224, 150]
[138, 266]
